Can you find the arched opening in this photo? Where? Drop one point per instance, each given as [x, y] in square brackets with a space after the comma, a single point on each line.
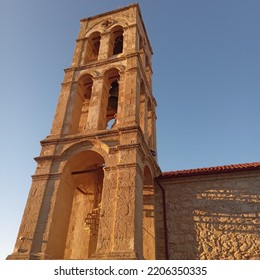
[116, 40]
[80, 104]
[148, 216]
[141, 44]
[76, 219]
[150, 124]
[84, 91]
[112, 79]
[92, 47]
[143, 109]
[148, 69]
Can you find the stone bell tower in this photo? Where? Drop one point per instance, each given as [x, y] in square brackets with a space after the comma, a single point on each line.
[92, 195]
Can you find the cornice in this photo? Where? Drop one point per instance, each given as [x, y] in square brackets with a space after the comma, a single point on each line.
[41, 177]
[112, 12]
[46, 158]
[98, 134]
[96, 63]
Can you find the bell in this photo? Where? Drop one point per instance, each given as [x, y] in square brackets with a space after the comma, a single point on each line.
[112, 103]
[113, 91]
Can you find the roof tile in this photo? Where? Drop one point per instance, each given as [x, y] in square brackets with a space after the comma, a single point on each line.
[211, 170]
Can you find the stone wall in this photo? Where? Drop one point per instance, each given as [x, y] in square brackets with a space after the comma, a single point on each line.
[214, 216]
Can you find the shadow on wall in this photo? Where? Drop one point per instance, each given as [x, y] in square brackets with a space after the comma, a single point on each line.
[210, 221]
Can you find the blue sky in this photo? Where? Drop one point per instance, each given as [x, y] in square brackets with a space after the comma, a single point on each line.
[206, 67]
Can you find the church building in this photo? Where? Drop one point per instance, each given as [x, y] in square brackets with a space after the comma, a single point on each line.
[98, 192]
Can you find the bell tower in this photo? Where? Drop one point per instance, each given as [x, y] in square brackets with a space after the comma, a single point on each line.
[93, 191]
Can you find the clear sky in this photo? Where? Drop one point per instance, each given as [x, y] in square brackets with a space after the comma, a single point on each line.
[206, 67]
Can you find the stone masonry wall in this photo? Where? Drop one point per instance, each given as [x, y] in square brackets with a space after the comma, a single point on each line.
[214, 216]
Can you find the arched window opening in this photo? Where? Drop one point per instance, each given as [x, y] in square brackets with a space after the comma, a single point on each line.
[143, 109]
[117, 40]
[148, 69]
[149, 123]
[141, 45]
[112, 104]
[112, 81]
[148, 216]
[92, 48]
[146, 62]
[118, 45]
[85, 90]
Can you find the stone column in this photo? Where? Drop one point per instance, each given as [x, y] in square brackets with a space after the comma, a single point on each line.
[98, 105]
[154, 133]
[104, 46]
[143, 114]
[121, 101]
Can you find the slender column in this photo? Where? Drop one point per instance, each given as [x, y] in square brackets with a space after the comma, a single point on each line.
[143, 58]
[154, 132]
[148, 73]
[143, 115]
[98, 105]
[150, 129]
[104, 48]
[121, 101]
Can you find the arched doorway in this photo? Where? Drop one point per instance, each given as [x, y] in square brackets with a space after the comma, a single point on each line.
[76, 219]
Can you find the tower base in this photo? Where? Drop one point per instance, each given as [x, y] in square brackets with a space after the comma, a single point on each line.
[117, 256]
[20, 256]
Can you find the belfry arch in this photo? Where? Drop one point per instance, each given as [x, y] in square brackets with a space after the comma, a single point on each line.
[116, 40]
[91, 50]
[111, 89]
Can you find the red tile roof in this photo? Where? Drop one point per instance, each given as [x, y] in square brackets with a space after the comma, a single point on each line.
[211, 170]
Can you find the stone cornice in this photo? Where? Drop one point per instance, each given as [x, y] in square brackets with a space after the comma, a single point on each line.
[40, 177]
[124, 166]
[97, 63]
[128, 146]
[111, 12]
[95, 135]
[45, 158]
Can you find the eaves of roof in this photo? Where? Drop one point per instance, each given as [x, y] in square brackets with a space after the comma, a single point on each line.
[211, 170]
